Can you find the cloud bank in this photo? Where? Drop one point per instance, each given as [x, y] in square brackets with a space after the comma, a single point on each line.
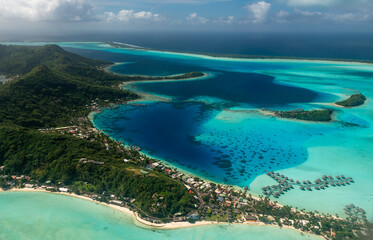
[130, 15]
[47, 10]
[259, 11]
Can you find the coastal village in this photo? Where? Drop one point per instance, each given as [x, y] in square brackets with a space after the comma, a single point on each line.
[216, 202]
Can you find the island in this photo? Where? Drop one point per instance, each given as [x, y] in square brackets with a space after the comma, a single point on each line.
[48, 142]
[320, 115]
[353, 101]
[184, 76]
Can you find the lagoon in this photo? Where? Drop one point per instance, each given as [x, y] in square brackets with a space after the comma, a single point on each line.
[223, 136]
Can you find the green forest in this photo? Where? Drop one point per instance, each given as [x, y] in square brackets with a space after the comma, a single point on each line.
[323, 115]
[353, 101]
[53, 89]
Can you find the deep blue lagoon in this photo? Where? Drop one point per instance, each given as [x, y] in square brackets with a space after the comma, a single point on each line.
[189, 131]
[212, 126]
[204, 140]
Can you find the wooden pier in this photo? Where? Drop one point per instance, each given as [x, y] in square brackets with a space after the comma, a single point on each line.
[285, 184]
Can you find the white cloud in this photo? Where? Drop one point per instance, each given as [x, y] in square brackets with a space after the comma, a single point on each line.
[127, 15]
[311, 2]
[332, 4]
[319, 16]
[182, 1]
[228, 20]
[47, 10]
[259, 11]
[194, 18]
[282, 14]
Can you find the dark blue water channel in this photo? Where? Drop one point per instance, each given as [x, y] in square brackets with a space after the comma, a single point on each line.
[193, 135]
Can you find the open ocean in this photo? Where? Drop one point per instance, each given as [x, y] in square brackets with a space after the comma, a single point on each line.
[291, 44]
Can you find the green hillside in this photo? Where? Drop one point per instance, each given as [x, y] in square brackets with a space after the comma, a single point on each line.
[55, 88]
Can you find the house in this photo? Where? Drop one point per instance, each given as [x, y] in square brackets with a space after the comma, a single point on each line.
[179, 219]
[193, 216]
[27, 185]
[154, 165]
[116, 202]
[63, 189]
[250, 218]
[218, 191]
[227, 203]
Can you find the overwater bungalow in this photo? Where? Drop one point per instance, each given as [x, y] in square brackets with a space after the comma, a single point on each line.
[309, 189]
[322, 187]
[317, 188]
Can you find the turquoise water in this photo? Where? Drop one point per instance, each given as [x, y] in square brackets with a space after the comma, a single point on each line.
[30, 215]
[228, 140]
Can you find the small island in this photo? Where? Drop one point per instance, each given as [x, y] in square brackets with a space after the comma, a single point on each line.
[353, 101]
[321, 115]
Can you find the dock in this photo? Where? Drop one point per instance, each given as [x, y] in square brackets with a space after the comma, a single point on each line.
[285, 184]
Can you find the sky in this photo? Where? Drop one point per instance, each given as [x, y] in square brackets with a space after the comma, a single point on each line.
[90, 16]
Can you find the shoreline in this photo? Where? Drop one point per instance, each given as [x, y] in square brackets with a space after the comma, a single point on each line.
[148, 225]
[139, 221]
